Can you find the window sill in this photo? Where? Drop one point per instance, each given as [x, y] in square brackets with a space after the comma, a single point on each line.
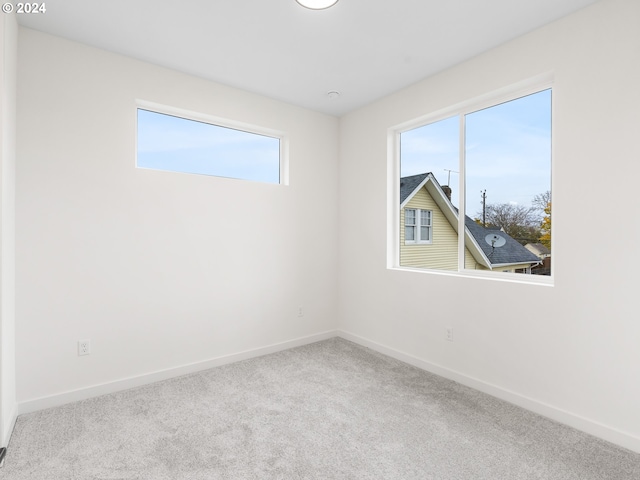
[542, 280]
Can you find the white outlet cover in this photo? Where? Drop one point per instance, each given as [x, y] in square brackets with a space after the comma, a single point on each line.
[84, 347]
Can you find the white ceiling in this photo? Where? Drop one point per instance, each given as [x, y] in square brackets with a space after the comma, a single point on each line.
[364, 49]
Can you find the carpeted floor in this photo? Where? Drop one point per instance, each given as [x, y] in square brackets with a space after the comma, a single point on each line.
[330, 410]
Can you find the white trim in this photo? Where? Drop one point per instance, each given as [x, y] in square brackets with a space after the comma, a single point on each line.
[429, 226]
[393, 196]
[542, 280]
[56, 400]
[597, 429]
[462, 200]
[417, 237]
[210, 119]
[613, 435]
[495, 97]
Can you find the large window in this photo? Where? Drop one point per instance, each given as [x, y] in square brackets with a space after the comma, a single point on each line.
[176, 143]
[482, 173]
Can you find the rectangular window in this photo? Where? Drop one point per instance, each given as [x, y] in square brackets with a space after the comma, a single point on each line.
[425, 225]
[475, 183]
[410, 225]
[417, 226]
[175, 143]
[508, 180]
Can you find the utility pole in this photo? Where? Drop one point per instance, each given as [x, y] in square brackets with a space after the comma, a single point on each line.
[483, 195]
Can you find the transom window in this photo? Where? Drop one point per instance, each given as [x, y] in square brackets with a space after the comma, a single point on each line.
[187, 142]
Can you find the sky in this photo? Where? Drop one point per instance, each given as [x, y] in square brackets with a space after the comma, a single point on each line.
[507, 150]
[176, 144]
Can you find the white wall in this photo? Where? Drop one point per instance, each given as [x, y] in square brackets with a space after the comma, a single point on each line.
[159, 270]
[570, 351]
[8, 58]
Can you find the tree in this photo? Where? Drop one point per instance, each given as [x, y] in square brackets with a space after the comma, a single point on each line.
[519, 222]
[525, 224]
[543, 202]
[545, 227]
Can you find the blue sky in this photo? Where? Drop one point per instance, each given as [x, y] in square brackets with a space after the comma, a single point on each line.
[176, 144]
[508, 152]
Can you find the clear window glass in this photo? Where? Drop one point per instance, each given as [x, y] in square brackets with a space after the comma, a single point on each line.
[508, 182]
[410, 225]
[506, 161]
[429, 162]
[176, 144]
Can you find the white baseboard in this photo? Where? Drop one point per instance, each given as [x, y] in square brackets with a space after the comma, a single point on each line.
[56, 400]
[586, 425]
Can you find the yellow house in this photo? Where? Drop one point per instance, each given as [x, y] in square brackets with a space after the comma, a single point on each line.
[429, 233]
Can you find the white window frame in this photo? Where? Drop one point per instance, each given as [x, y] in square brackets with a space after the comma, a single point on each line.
[418, 226]
[512, 92]
[219, 122]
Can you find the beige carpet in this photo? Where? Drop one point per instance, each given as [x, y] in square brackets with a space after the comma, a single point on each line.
[330, 410]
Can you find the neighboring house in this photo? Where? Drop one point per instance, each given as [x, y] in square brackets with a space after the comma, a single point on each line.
[544, 254]
[429, 233]
[539, 250]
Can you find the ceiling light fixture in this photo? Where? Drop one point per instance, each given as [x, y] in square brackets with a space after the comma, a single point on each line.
[317, 4]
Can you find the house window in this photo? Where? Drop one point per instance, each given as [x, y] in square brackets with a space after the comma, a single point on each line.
[410, 225]
[417, 226]
[187, 142]
[482, 171]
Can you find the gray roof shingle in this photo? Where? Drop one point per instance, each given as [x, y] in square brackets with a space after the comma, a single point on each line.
[510, 252]
[409, 184]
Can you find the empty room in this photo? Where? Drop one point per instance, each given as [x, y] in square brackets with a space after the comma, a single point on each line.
[312, 239]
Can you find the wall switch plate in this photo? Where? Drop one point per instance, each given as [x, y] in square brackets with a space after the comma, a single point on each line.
[84, 347]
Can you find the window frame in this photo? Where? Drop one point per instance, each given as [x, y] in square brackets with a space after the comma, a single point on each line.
[413, 226]
[505, 94]
[418, 226]
[283, 154]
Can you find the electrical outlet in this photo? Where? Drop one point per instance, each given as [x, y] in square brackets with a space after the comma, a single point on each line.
[449, 334]
[300, 312]
[84, 347]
